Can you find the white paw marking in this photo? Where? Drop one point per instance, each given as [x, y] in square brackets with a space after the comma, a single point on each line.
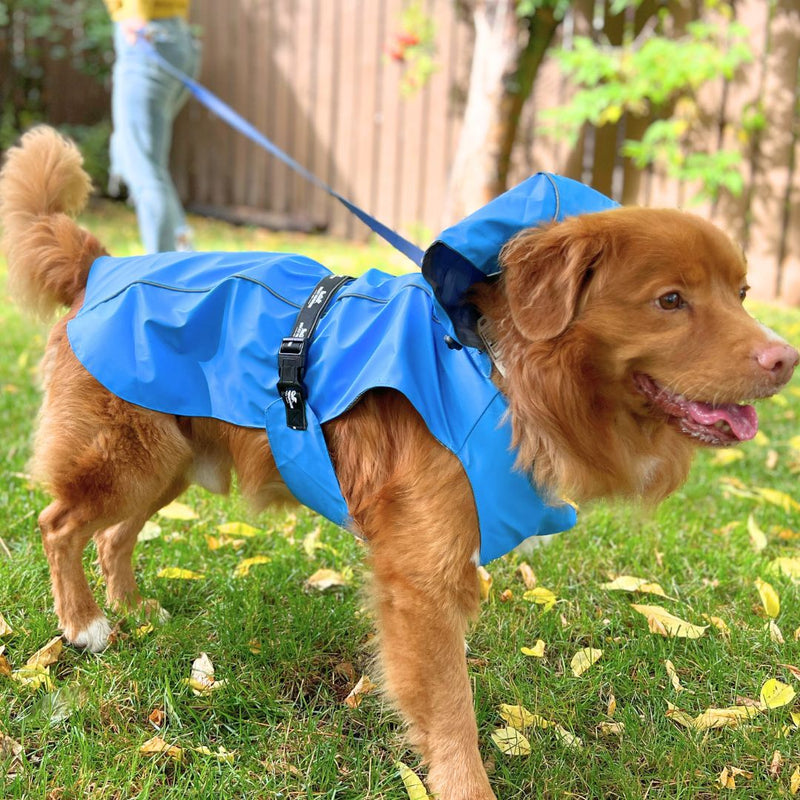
[94, 637]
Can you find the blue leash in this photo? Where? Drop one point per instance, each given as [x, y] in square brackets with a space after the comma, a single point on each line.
[236, 121]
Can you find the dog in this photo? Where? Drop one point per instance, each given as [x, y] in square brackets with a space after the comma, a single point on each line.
[619, 343]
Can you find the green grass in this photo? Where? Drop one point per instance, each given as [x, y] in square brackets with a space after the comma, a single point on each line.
[281, 711]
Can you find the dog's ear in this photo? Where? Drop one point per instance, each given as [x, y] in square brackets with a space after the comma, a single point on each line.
[546, 272]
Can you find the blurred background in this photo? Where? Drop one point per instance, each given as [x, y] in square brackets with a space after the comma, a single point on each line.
[422, 110]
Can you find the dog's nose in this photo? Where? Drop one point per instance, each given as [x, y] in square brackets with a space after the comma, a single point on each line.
[779, 359]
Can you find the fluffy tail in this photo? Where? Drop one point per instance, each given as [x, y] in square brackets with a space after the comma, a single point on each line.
[42, 187]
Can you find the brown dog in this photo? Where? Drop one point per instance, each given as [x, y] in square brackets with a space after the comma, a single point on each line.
[606, 324]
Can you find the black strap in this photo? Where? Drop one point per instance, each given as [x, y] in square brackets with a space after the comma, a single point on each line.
[292, 355]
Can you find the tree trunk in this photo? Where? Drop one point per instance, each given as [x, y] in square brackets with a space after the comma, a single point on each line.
[507, 53]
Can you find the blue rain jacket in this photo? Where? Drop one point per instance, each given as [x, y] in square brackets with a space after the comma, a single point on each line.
[198, 334]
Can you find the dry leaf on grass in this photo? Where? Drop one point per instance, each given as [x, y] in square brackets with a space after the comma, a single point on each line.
[414, 786]
[775, 693]
[157, 745]
[527, 574]
[712, 717]
[541, 596]
[775, 632]
[177, 510]
[324, 579]
[237, 529]
[10, 756]
[757, 537]
[610, 728]
[673, 676]
[629, 583]
[485, 581]
[584, 659]
[179, 574]
[5, 628]
[201, 678]
[537, 651]
[245, 565]
[149, 531]
[363, 687]
[47, 655]
[511, 742]
[786, 565]
[5, 664]
[519, 717]
[769, 598]
[794, 781]
[663, 623]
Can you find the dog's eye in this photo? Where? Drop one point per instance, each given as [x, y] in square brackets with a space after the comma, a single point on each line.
[743, 292]
[671, 301]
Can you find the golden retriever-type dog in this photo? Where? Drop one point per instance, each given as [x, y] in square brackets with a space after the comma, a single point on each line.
[617, 331]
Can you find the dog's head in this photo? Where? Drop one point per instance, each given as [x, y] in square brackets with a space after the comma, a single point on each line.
[640, 312]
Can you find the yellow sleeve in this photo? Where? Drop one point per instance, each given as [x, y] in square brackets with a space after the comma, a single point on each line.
[125, 9]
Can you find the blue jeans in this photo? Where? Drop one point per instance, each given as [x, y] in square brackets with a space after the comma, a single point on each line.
[144, 104]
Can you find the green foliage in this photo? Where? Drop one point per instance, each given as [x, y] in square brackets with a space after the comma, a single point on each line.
[528, 8]
[657, 76]
[414, 47]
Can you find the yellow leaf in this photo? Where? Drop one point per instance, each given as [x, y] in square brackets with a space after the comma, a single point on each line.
[216, 542]
[680, 717]
[666, 624]
[485, 582]
[718, 623]
[5, 664]
[726, 780]
[201, 677]
[611, 728]
[178, 574]
[46, 655]
[221, 754]
[414, 786]
[757, 537]
[568, 739]
[778, 498]
[245, 565]
[769, 598]
[363, 687]
[177, 510]
[511, 742]
[158, 745]
[673, 676]
[584, 659]
[611, 709]
[143, 630]
[775, 632]
[150, 530]
[761, 439]
[519, 717]
[775, 693]
[786, 565]
[324, 579]
[628, 583]
[238, 529]
[724, 717]
[794, 782]
[540, 596]
[723, 458]
[34, 677]
[537, 651]
[5, 628]
[528, 575]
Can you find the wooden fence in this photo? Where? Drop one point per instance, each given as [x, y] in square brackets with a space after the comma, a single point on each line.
[314, 76]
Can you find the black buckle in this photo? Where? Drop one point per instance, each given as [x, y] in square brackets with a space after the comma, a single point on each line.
[291, 363]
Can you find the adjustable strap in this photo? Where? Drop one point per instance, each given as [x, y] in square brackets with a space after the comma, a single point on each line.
[292, 354]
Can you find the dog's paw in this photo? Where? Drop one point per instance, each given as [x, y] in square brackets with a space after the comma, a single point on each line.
[94, 637]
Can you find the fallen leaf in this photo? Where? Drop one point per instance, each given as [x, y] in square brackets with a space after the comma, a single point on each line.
[47, 655]
[724, 458]
[679, 716]
[414, 786]
[666, 624]
[5, 628]
[324, 579]
[34, 677]
[201, 677]
[611, 728]
[218, 542]
[143, 630]
[567, 738]
[794, 782]
[775, 693]
[673, 676]
[519, 717]
[5, 664]
[757, 537]
[506, 595]
[540, 596]
[775, 632]
[537, 651]
[726, 780]
[238, 529]
[786, 565]
[724, 717]
[178, 574]
[628, 583]
[584, 659]
[221, 754]
[718, 623]
[245, 565]
[157, 745]
[150, 530]
[778, 498]
[528, 575]
[511, 742]
[793, 669]
[771, 461]
[611, 708]
[776, 764]
[157, 717]
[363, 687]
[177, 510]
[769, 598]
[10, 755]
[485, 581]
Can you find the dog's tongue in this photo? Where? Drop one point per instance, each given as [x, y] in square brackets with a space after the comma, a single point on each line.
[743, 420]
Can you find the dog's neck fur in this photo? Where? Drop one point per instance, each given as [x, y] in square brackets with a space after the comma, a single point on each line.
[568, 421]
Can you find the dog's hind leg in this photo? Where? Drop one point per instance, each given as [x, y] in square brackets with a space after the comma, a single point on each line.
[115, 547]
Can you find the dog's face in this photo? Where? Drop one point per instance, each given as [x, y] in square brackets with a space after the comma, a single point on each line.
[650, 301]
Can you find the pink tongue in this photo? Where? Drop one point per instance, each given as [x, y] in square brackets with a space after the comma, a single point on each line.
[742, 419]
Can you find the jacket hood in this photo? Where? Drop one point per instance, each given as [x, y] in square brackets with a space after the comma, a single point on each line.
[468, 251]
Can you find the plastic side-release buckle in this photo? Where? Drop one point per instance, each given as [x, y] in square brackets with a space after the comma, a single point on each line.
[291, 363]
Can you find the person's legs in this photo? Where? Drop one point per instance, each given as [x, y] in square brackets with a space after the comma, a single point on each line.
[145, 103]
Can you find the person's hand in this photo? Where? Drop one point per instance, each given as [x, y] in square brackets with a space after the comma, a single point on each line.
[133, 27]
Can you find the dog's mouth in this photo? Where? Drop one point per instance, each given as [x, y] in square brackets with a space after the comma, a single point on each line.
[715, 424]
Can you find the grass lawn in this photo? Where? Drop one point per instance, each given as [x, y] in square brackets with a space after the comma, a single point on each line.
[289, 655]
